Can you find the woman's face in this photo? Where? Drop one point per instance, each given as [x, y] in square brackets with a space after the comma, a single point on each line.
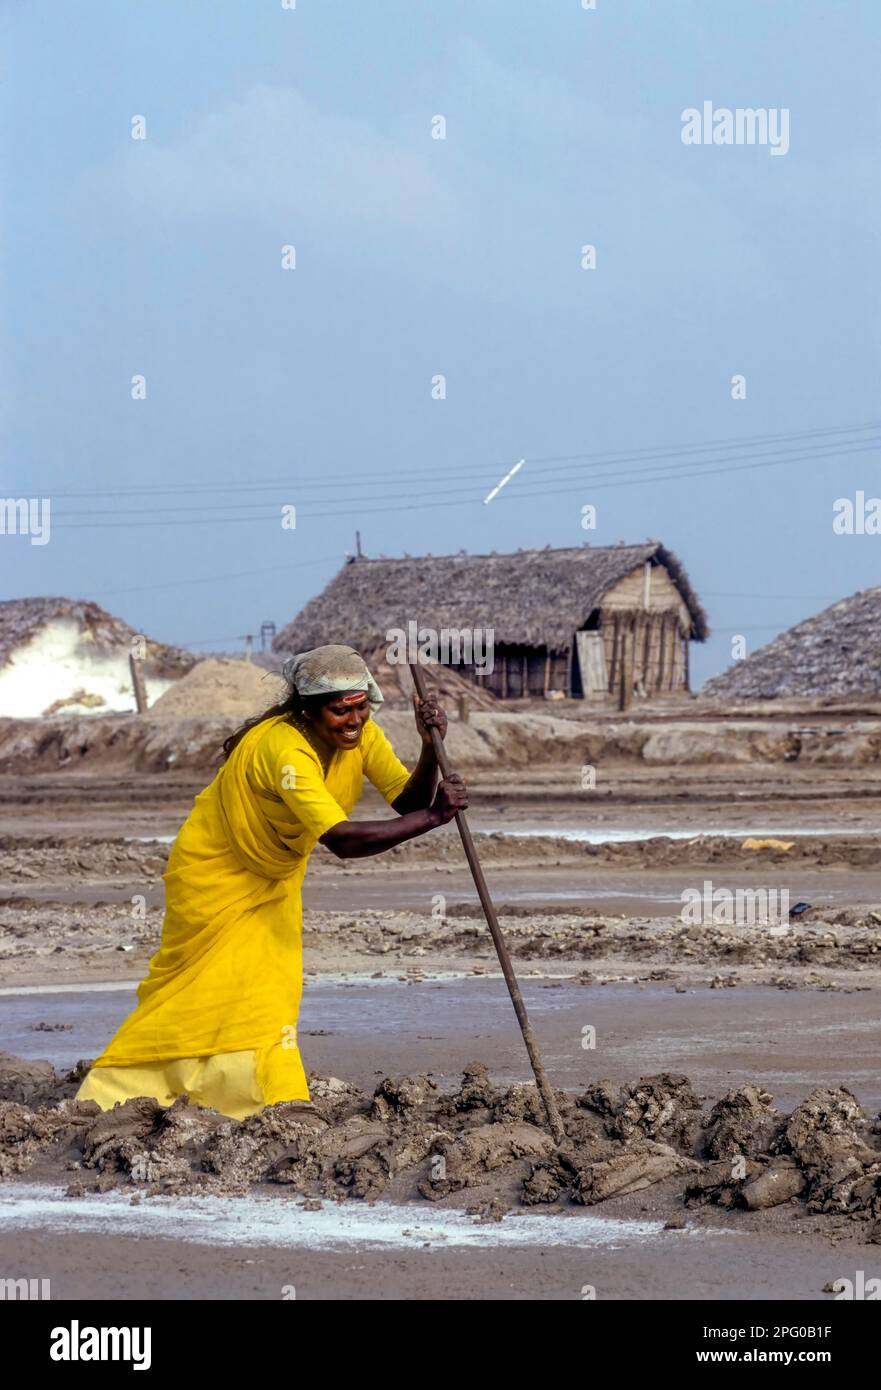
[339, 722]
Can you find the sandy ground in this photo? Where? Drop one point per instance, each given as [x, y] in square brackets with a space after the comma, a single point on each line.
[402, 982]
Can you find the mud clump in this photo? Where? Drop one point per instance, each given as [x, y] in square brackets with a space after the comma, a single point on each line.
[480, 1146]
[628, 1172]
[476, 1091]
[399, 1097]
[835, 1144]
[464, 1161]
[743, 1122]
[826, 1153]
[35, 1082]
[663, 1107]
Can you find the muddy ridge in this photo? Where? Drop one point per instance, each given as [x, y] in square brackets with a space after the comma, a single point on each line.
[480, 1141]
[819, 941]
[61, 859]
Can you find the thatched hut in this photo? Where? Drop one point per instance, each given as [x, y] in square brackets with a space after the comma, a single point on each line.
[588, 622]
[836, 652]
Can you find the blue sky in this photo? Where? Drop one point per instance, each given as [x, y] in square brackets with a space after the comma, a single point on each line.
[416, 257]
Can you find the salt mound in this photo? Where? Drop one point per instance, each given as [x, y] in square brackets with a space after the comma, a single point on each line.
[70, 656]
[221, 686]
[836, 652]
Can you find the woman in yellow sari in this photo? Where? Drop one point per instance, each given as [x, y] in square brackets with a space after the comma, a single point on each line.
[217, 1014]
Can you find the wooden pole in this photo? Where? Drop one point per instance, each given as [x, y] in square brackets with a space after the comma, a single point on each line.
[625, 690]
[614, 664]
[662, 651]
[492, 921]
[673, 649]
[138, 685]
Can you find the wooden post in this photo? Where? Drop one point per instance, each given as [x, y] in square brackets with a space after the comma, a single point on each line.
[615, 664]
[547, 674]
[463, 709]
[638, 646]
[138, 685]
[662, 645]
[625, 690]
[674, 634]
[504, 676]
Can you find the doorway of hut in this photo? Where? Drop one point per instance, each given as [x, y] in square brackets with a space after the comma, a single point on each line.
[589, 678]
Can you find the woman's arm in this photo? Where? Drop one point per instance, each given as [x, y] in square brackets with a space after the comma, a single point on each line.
[357, 839]
[419, 790]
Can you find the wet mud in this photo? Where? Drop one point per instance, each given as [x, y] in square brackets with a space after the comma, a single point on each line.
[48, 941]
[480, 1145]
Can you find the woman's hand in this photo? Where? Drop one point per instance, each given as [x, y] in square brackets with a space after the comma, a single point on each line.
[429, 715]
[450, 797]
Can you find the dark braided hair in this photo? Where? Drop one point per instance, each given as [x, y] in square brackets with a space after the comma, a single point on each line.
[293, 707]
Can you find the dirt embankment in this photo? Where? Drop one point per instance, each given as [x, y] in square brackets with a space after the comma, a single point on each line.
[53, 859]
[481, 1146]
[184, 739]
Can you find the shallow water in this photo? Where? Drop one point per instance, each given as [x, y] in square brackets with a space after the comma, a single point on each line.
[364, 1029]
[611, 835]
[618, 835]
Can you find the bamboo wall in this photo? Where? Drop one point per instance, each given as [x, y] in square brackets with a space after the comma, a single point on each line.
[648, 640]
[645, 629]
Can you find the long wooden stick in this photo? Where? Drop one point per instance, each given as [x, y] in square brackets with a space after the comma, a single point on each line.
[492, 921]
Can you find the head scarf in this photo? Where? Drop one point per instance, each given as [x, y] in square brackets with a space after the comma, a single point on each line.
[325, 670]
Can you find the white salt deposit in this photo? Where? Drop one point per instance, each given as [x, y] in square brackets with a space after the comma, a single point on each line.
[283, 1221]
[56, 664]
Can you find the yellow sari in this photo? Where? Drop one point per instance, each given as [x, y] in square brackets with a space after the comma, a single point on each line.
[217, 1014]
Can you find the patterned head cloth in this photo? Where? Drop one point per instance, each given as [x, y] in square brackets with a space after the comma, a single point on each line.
[326, 670]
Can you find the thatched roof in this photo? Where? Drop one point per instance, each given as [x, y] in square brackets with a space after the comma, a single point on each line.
[21, 619]
[837, 652]
[534, 597]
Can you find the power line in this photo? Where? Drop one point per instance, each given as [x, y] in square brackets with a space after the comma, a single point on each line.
[469, 495]
[428, 500]
[536, 464]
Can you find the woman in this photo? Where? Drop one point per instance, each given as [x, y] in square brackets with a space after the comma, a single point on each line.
[217, 1013]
